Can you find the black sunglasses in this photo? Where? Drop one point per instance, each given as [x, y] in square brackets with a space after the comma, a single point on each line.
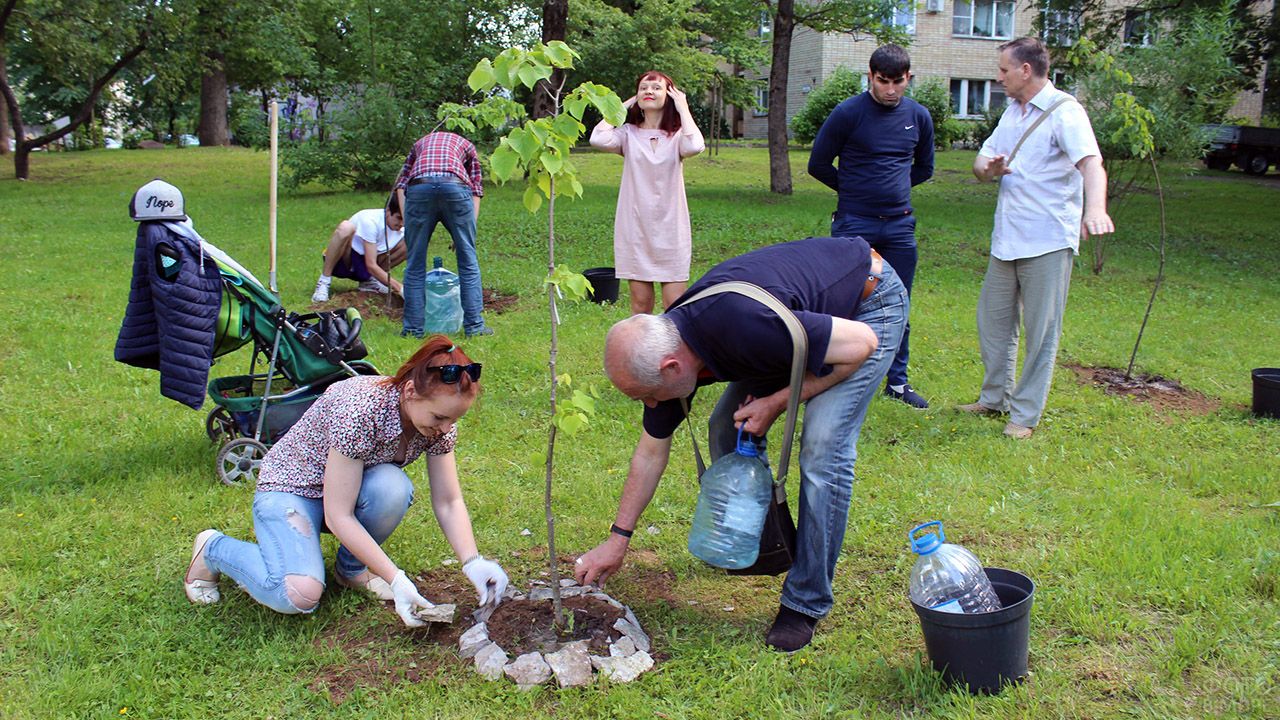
[450, 374]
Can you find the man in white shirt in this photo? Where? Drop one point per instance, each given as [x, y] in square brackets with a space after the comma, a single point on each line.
[1053, 188]
[364, 248]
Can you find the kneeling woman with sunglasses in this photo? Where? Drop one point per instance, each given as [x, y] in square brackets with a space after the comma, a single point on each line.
[340, 469]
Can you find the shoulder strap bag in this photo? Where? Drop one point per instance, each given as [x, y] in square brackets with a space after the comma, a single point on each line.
[778, 537]
[1043, 116]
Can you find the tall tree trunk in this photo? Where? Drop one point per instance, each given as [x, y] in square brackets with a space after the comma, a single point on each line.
[555, 18]
[213, 100]
[784, 24]
[4, 123]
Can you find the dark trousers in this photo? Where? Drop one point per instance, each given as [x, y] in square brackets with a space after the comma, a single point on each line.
[895, 239]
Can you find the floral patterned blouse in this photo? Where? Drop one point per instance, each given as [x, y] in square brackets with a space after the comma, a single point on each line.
[360, 418]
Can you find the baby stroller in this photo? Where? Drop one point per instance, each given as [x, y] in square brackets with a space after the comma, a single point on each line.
[305, 354]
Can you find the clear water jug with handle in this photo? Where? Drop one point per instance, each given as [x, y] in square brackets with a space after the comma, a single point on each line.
[444, 300]
[732, 502]
[947, 577]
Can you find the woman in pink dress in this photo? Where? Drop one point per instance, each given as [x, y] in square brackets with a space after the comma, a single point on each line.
[651, 237]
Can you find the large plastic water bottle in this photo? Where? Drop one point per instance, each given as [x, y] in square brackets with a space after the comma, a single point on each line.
[444, 300]
[735, 495]
[947, 577]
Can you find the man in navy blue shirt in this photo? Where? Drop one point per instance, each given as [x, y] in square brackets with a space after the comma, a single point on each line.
[853, 308]
[885, 144]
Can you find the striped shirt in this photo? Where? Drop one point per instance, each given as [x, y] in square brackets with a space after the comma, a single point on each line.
[443, 152]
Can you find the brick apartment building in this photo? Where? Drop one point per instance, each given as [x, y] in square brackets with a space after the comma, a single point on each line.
[954, 41]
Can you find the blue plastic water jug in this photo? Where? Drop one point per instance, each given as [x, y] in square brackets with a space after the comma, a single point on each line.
[947, 577]
[732, 503]
[444, 300]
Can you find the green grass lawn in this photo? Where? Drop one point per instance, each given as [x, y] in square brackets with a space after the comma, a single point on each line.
[1149, 533]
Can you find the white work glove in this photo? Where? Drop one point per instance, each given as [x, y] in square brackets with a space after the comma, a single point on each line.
[408, 600]
[488, 577]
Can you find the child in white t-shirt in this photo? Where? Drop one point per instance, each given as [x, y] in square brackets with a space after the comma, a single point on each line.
[364, 248]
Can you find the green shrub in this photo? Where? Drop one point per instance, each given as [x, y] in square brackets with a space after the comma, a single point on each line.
[369, 138]
[937, 100]
[840, 85]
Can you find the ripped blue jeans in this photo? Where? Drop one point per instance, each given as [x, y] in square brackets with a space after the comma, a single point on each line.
[288, 529]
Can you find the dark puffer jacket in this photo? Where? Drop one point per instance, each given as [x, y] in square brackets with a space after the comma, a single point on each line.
[172, 316]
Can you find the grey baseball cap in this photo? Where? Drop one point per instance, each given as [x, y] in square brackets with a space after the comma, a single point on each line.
[157, 200]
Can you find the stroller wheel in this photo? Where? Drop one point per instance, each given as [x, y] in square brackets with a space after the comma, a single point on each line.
[238, 461]
[219, 423]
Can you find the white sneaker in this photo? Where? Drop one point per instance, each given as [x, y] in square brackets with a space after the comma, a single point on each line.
[372, 285]
[322, 292]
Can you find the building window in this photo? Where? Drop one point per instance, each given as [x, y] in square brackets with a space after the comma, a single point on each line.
[762, 98]
[982, 18]
[1139, 29]
[972, 98]
[764, 28]
[903, 16]
[1061, 24]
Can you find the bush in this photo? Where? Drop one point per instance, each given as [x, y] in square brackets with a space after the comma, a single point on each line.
[937, 100]
[370, 137]
[839, 86]
[247, 122]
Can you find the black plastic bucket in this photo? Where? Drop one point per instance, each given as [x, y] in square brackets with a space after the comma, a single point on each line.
[605, 284]
[1266, 392]
[984, 650]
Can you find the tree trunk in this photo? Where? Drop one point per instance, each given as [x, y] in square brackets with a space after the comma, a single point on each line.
[4, 124]
[784, 23]
[555, 18]
[213, 100]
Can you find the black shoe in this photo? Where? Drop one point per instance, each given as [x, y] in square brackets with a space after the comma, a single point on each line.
[908, 396]
[791, 630]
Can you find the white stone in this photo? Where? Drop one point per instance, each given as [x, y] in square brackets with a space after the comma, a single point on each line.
[631, 629]
[566, 582]
[606, 598]
[574, 591]
[623, 647]
[571, 664]
[528, 671]
[438, 613]
[490, 661]
[623, 669]
[526, 532]
[540, 594]
[472, 640]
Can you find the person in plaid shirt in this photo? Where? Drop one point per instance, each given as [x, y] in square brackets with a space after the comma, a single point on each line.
[441, 182]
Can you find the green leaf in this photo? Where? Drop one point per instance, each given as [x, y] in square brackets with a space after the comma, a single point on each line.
[532, 198]
[482, 78]
[575, 105]
[507, 65]
[574, 185]
[610, 106]
[538, 459]
[584, 402]
[531, 74]
[568, 128]
[505, 162]
[559, 54]
[525, 143]
[551, 161]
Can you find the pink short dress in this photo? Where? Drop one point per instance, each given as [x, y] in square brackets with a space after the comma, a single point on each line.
[652, 241]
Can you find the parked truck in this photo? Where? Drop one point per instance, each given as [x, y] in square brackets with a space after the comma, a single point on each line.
[1252, 149]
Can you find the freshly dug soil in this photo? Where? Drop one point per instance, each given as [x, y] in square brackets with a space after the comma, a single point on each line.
[372, 305]
[1163, 394]
[522, 626]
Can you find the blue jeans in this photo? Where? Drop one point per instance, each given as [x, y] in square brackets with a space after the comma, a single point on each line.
[442, 200]
[828, 450]
[895, 239]
[288, 528]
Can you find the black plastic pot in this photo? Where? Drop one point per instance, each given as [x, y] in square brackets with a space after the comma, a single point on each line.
[1266, 392]
[983, 651]
[605, 284]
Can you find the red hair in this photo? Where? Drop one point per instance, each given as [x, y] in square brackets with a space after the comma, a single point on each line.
[670, 118]
[436, 350]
